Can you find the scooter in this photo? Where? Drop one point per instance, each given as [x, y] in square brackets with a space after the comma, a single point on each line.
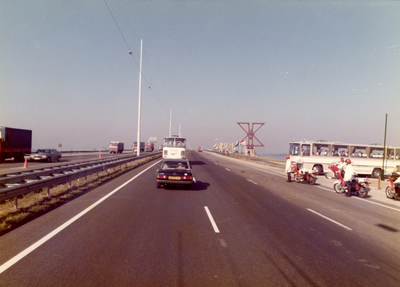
[391, 189]
[305, 177]
[361, 187]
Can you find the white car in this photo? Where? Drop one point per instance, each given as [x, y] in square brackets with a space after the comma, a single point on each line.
[51, 155]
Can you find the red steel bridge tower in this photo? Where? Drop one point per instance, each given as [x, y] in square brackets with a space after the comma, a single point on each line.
[250, 136]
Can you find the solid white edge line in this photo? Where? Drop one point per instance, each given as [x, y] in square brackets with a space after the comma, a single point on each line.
[327, 218]
[31, 248]
[227, 169]
[252, 181]
[372, 202]
[214, 225]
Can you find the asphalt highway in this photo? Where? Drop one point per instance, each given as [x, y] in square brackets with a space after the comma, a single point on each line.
[243, 225]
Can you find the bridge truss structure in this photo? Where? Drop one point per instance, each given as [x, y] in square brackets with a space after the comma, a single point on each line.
[250, 136]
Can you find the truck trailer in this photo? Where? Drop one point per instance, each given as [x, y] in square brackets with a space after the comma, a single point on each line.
[15, 143]
[142, 146]
[116, 147]
[149, 147]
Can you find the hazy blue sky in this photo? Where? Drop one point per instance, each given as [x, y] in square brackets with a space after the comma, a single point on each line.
[307, 69]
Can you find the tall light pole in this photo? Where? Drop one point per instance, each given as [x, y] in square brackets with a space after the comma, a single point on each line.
[384, 152]
[140, 99]
[170, 122]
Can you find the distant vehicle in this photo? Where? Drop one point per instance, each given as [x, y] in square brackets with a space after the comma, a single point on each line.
[15, 143]
[142, 147]
[160, 148]
[149, 147]
[199, 149]
[50, 155]
[116, 147]
[174, 147]
[174, 172]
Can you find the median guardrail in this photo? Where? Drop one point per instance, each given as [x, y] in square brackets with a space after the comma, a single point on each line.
[14, 184]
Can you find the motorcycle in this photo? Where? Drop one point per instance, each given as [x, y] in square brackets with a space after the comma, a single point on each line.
[391, 189]
[361, 187]
[308, 177]
[331, 174]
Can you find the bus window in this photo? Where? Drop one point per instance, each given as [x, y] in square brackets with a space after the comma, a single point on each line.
[390, 153]
[180, 142]
[359, 151]
[339, 150]
[305, 150]
[168, 142]
[376, 152]
[294, 149]
[321, 149]
[398, 153]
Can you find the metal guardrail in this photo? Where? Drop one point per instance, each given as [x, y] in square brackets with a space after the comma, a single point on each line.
[14, 184]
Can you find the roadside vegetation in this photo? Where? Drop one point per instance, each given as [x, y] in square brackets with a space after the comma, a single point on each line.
[36, 203]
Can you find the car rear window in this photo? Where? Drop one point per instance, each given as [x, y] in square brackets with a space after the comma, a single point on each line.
[174, 165]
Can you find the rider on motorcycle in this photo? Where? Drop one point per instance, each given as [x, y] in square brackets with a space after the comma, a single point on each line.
[348, 175]
[397, 186]
[301, 167]
[341, 165]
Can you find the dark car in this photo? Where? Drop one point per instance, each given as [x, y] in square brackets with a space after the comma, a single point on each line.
[51, 155]
[199, 149]
[174, 172]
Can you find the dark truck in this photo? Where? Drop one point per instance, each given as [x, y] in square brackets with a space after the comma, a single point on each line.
[134, 146]
[149, 147]
[15, 143]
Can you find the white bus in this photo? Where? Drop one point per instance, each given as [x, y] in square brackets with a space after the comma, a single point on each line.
[174, 147]
[366, 159]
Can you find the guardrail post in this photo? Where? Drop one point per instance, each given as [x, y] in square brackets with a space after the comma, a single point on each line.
[379, 183]
[85, 178]
[69, 183]
[48, 191]
[16, 202]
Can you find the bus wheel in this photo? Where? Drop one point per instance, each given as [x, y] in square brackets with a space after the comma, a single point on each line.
[376, 172]
[318, 168]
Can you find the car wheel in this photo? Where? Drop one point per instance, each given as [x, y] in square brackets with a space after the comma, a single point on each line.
[158, 185]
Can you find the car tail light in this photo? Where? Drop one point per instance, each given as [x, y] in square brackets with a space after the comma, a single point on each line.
[160, 176]
[187, 177]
